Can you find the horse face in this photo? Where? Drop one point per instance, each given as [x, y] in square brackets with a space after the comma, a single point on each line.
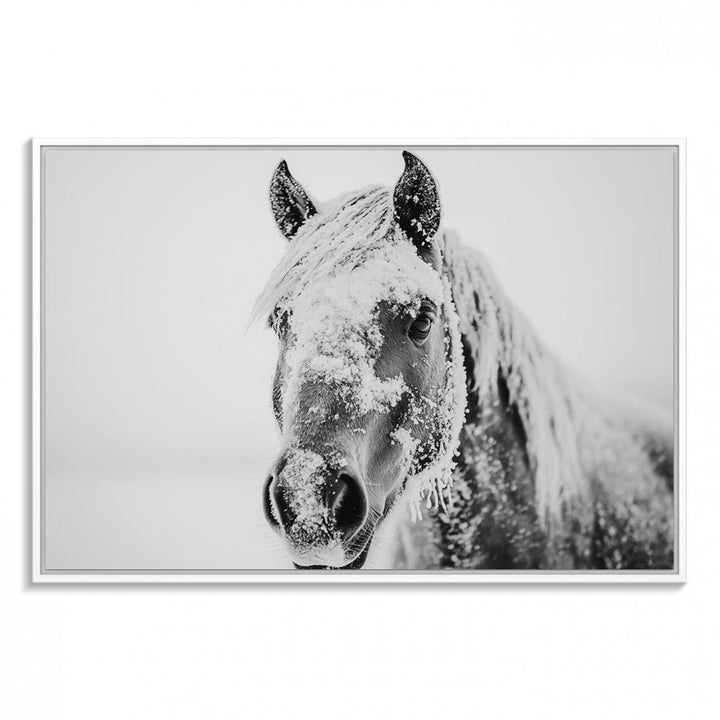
[361, 381]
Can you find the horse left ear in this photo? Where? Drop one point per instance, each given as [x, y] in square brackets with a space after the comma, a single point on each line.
[290, 203]
[417, 204]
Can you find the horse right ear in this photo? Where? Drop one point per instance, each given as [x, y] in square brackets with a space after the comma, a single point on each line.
[290, 204]
[417, 205]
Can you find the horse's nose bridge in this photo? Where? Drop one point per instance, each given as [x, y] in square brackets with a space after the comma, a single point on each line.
[307, 471]
[320, 406]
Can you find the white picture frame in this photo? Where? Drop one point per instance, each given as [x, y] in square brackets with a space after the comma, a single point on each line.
[40, 574]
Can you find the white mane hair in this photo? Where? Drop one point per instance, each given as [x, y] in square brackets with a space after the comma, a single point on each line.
[339, 235]
[500, 339]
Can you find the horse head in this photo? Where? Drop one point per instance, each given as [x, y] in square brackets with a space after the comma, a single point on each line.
[369, 389]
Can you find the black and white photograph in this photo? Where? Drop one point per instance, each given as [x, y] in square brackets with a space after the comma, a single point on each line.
[385, 360]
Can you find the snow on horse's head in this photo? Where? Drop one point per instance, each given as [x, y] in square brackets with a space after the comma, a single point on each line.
[369, 391]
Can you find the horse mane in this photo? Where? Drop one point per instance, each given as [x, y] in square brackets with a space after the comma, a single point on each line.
[502, 342]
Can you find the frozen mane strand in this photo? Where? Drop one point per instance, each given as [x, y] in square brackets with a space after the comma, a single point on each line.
[501, 341]
[340, 235]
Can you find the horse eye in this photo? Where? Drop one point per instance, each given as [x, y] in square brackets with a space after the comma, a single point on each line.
[420, 329]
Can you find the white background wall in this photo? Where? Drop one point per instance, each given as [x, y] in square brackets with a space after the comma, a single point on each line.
[314, 69]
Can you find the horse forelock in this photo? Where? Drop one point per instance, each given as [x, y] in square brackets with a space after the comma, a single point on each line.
[339, 235]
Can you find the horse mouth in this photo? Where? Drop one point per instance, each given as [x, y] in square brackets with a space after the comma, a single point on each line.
[365, 536]
[355, 564]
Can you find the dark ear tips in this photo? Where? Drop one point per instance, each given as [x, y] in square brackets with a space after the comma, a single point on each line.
[409, 159]
[417, 203]
[290, 203]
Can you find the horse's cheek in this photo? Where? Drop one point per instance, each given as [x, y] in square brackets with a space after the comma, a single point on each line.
[383, 461]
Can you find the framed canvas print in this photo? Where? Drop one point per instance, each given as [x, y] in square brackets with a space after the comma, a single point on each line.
[358, 361]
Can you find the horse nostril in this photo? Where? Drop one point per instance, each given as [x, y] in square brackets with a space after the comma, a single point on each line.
[267, 502]
[347, 504]
[276, 508]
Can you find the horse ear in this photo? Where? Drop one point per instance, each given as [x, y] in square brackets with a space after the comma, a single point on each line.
[290, 204]
[417, 204]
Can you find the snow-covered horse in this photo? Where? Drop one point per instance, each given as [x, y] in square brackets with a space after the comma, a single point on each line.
[407, 379]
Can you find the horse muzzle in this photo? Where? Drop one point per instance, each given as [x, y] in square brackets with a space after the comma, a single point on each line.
[320, 509]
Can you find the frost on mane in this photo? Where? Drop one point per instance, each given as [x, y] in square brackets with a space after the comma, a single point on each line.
[543, 390]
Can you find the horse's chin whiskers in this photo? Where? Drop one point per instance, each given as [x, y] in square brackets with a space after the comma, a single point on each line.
[365, 535]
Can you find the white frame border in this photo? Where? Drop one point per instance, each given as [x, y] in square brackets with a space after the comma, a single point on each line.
[388, 576]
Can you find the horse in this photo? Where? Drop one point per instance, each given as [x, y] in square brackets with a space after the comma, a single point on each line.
[421, 416]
